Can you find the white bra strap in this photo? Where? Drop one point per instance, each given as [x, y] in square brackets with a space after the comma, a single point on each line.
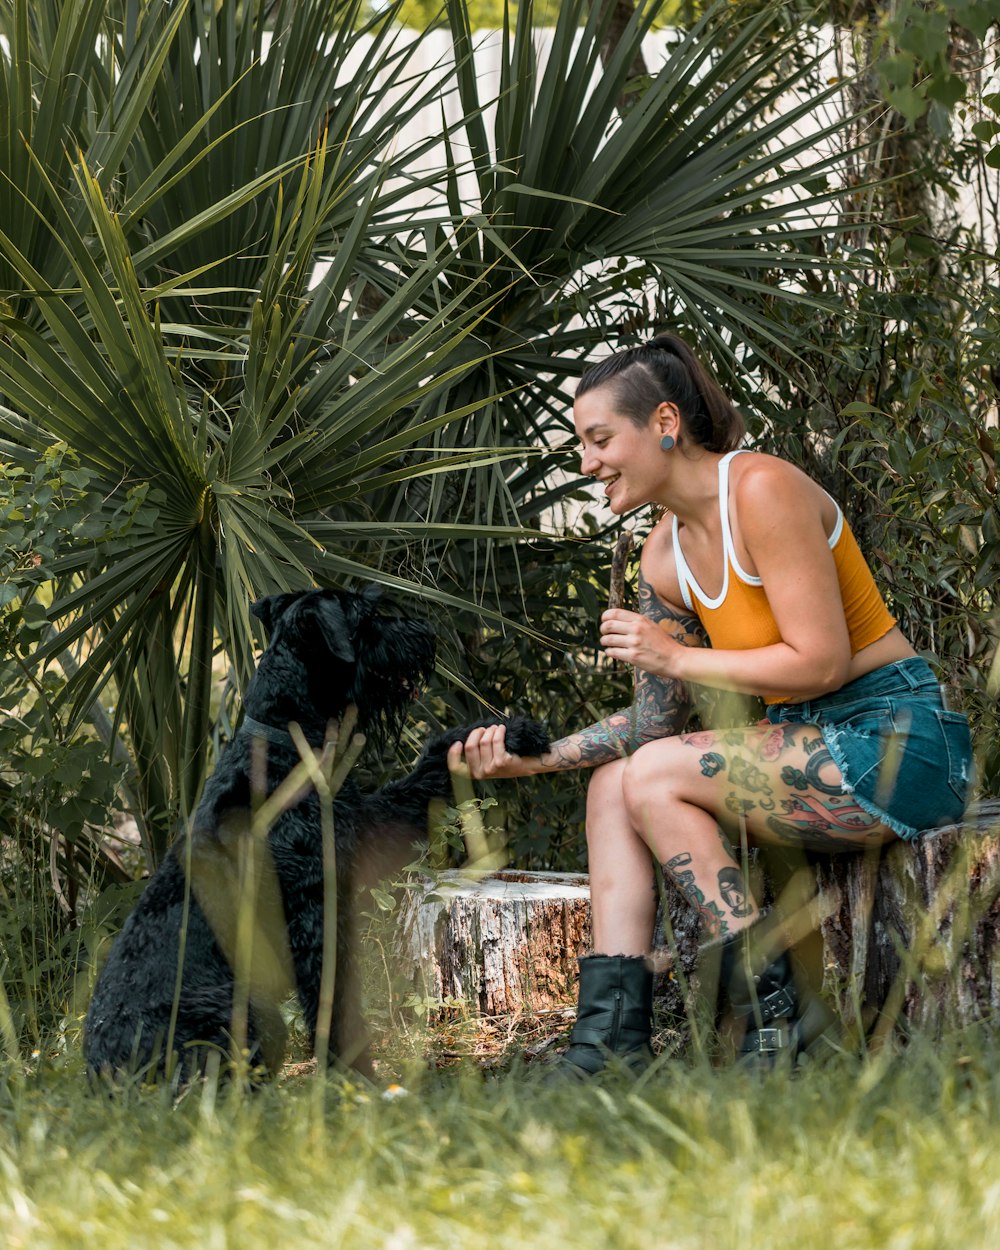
[683, 572]
[728, 546]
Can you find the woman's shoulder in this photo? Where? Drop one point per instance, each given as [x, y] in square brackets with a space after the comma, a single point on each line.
[758, 479]
[658, 545]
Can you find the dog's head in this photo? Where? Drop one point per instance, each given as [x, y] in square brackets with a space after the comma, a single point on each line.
[330, 648]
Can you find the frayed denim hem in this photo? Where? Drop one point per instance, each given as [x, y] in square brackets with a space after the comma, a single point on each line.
[908, 833]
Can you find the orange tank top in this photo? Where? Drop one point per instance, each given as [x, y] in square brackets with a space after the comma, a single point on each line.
[740, 617]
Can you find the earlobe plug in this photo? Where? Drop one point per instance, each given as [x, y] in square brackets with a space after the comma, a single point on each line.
[667, 442]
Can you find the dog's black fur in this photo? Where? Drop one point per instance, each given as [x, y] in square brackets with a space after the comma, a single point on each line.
[327, 651]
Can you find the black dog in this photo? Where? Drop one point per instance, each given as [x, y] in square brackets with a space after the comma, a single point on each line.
[149, 1015]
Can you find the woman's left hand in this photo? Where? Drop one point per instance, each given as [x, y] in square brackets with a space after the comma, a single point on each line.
[637, 640]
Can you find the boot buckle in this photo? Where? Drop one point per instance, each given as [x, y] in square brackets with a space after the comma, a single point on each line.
[767, 1039]
[773, 1006]
[781, 1002]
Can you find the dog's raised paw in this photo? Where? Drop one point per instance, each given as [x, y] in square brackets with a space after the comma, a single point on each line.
[526, 737]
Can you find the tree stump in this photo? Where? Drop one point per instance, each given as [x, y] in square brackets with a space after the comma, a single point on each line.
[505, 944]
[915, 932]
[909, 933]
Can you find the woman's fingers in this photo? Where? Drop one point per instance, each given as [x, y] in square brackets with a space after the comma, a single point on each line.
[635, 639]
[620, 629]
[484, 752]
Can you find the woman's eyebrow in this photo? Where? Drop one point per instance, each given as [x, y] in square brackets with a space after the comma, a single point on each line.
[597, 425]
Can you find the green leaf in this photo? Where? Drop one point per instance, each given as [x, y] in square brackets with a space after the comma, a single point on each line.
[910, 102]
[946, 89]
[859, 409]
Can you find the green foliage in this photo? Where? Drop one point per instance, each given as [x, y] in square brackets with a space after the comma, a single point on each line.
[47, 503]
[489, 14]
[58, 788]
[165, 318]
[916, 59]
[895, 413]
[421, 14]
[58, 793]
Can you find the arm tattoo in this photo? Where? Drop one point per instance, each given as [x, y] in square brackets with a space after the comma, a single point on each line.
[660, 705]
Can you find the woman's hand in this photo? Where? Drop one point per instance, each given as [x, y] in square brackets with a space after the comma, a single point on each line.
[486, 756]
[637, 640]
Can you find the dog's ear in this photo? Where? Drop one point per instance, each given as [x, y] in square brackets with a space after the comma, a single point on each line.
[270, 608]
[371, 596]
[334, 628]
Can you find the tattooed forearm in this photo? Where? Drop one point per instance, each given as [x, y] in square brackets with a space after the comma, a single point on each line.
[660, 709]
[660, 705]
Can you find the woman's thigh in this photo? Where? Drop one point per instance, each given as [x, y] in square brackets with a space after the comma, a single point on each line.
[779, 782]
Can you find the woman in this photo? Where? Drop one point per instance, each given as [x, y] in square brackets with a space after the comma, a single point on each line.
[751, 582]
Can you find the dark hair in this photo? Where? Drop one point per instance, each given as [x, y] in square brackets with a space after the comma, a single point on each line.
[665, 370]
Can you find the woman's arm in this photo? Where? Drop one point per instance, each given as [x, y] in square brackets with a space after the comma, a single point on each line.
[660, 708]
[660, 705]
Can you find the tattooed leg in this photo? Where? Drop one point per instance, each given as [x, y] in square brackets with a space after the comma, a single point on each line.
[733, 888]
[779, 781]
[716, 919]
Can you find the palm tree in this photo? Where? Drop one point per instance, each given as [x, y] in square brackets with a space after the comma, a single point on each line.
[163, 214]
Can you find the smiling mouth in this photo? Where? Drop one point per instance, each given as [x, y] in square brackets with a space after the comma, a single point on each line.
[609, 482]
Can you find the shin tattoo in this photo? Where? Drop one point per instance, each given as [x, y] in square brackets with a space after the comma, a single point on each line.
[679, 872]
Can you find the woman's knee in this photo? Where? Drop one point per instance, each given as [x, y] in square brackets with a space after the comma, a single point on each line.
[652, 777]
[604, 786]
[620, 867]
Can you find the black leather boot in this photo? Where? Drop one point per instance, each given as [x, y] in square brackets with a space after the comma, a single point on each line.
[614, 1014]
[761, 1003]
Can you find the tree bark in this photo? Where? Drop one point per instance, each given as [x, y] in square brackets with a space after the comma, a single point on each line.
[915, 934]
[506, 944]
[911, 934]
[622, 13]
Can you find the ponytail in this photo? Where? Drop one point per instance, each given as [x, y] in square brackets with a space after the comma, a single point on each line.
[665, 370]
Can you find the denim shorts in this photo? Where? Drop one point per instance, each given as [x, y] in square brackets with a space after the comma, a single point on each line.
[904, 756]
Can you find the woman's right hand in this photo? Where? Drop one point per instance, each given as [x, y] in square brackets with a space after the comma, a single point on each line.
[484, 756]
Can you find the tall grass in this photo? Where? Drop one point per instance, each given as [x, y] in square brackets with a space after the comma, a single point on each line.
[841, 1155]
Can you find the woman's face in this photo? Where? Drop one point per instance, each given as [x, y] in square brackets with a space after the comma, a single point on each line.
[624, 456]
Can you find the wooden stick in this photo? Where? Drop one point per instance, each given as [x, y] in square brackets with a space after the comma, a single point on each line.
[616, 592]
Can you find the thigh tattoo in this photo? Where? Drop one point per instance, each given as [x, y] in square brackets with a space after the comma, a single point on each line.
[799, 779]
[816, 812]
[823, 823]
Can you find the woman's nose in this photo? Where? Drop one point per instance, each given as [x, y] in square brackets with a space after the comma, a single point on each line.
[588, 462]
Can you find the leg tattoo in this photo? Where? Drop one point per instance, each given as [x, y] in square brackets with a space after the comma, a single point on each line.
[733, 889]
[783, 782]
[714, 918]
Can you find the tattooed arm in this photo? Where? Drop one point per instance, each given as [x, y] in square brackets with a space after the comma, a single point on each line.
[660, 705]
[660, 708]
